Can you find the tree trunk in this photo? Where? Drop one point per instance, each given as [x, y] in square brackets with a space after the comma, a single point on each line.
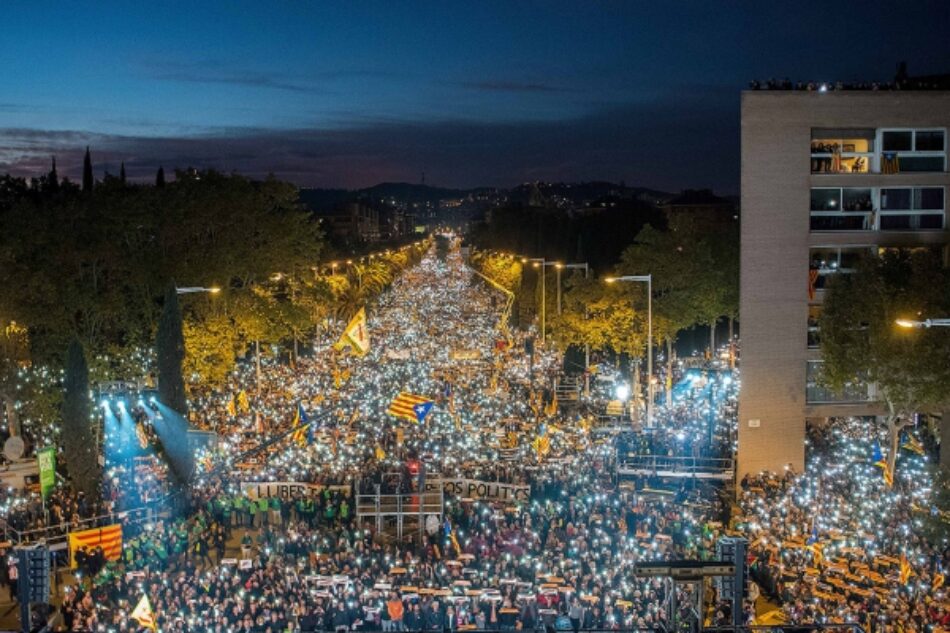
[945, 438]
[712, 339]
[894, 427]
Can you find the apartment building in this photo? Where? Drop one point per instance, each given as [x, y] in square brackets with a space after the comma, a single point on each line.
[826, 178]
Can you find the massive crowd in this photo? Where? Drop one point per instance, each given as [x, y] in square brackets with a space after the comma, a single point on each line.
[838, 544]
[308, 561]
[244, 554]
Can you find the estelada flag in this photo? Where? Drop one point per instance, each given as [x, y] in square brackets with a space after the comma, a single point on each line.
[410, 407]
[109, 538]
[243, 403]
[143, 613]
[355, 335]
[232, 409]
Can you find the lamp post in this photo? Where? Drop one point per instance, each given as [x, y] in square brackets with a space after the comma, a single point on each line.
[926, 323]
[186, 290]
[558, 267]
[540, 262]
[648, 279]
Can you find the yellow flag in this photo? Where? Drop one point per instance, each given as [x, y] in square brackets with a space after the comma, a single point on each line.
[232, 409]
[355, 336]
[143, 613]
[243, 403]
[380, 453]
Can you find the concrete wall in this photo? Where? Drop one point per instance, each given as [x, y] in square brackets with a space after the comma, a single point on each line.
[776, 182]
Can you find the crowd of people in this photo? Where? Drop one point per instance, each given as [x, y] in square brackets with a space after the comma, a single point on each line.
[247, 557]
[275, 534]
[838, 543]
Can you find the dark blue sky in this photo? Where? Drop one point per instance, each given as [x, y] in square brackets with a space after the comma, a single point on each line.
[473, 93]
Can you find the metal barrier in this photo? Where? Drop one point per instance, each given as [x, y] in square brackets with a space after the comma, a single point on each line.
[403, 509]
[56, 537]
[661, 466]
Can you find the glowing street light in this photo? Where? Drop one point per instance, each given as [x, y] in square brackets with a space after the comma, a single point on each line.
[543, 262]
[195, 289]
[648, 279]
[926, 323]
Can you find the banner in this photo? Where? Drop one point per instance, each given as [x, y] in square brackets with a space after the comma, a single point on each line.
[286, 489]
[46, 460]
[109, 538]
[477, 489]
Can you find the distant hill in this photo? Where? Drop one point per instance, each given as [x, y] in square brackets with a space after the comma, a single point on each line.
[577, 193]
[318, 199]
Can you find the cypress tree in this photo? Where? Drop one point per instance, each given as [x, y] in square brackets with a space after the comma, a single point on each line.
[160, 178]
[53, 178]
[122, 172]
[78, 441]
[170, 352]
[87, 180]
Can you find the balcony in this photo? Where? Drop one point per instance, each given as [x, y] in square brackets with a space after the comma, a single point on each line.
[882, 151]
[877, 209]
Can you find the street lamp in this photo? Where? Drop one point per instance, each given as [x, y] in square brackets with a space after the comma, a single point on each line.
[558, 267]
[543, 262]
[648, 279]
[908, 323]
[193, 289]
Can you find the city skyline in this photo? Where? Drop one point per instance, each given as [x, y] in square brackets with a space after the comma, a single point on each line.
[471, 95]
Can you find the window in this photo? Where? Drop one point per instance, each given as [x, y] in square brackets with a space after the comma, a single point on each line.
[912, 208]
[841, 150]
[816, 393]
[884, 209]
[913, 150]
[837, 209]
[824, 261]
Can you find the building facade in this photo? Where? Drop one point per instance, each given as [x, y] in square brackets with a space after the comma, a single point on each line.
[826, 178]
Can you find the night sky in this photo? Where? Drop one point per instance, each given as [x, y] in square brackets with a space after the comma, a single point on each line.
[473, 93]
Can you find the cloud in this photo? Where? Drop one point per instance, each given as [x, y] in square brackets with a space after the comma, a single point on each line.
[678, 141]
[219, 72]
[247, 79]
[512, 86]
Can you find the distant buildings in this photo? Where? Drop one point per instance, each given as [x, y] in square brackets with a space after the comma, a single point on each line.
[826, 178]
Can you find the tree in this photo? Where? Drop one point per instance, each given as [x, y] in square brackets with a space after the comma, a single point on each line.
[160, 178]
[685, 280]
[78, 441]
[122, 172]
[88, 182]
[170, 353]
[861, 344]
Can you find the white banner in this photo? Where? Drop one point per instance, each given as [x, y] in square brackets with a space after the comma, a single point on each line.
[286, 489]
[477, 489]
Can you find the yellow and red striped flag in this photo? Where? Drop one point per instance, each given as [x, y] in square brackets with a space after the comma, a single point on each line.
[109, 538]
[143, 613]
[906, 571]
[410, 407]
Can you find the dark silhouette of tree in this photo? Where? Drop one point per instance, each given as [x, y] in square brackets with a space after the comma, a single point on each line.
[170, 352]
[78, 442]
[122, 172]
[53, 176]
[87, 180]
[160, 178]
